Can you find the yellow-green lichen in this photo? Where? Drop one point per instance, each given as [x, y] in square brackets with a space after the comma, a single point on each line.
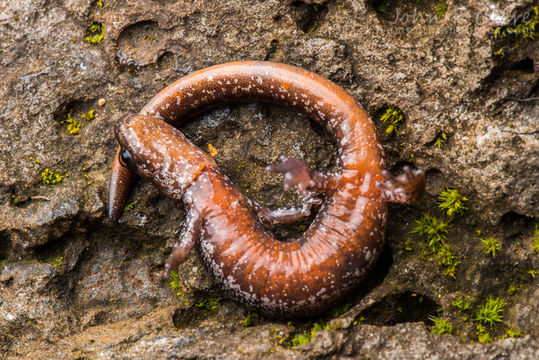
[95, 34]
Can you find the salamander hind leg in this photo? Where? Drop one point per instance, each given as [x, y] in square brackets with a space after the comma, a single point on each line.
[182, 249]
[297, 173]
[407, 188]
[308, 182]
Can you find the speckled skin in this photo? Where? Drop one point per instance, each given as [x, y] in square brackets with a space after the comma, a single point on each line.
[280, 279]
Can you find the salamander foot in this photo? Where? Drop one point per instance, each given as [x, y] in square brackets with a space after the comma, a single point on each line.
[406, 188]
[297, 173]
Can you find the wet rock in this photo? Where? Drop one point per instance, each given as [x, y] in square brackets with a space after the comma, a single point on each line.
[72, 285]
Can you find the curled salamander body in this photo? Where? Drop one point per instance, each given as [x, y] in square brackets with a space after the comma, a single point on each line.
[294, 278]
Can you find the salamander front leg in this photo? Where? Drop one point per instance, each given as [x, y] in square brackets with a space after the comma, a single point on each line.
[182, 249]
[406, 188]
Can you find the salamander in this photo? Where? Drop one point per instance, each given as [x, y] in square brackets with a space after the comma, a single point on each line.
[279, 279]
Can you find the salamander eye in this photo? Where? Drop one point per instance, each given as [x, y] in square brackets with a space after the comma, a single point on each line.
[126, 160]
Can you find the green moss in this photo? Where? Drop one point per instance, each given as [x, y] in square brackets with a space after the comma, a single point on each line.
[73, 126]
[441, 9]
[300, 339]
[50, 177]
[441, 326]
[130, 206]
[95, 34]
[305, 337]
[383, 7]
[89, 115]
[250, 319]
[491, 312]
[15, 199]
[440, 140]
[513, 288]
[57, 261]
[526, 30]
[208, 304]
[532, 273]
[175, 283]
[535, 247]
[339, 311]
[513, 333]
[484, 338]
[460, 304]
[433, 229]
[452, 202]
[392, 117]
[491, 246]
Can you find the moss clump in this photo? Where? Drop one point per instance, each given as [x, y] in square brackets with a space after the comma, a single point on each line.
[73, 126]
[440, 140]
[433, 229]
[491, 246]
[460, 304]
[250, 319]
[208, 304]
[305, 337]
[491, 312]
[50, 177]
[392, 117]
[452, 202]
[441, 326]
[95, 34]
[441, 9]
[175, 283]
[90, 115]
[513, 333]
[525, 30]
[535, 246]
[57, 261]
[129, 207]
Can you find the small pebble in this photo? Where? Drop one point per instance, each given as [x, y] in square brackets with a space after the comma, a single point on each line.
[101, 102]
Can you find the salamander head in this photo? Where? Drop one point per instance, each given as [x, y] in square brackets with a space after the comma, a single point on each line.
[157, 151]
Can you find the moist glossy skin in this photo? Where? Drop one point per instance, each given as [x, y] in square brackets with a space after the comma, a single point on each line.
[279, 279]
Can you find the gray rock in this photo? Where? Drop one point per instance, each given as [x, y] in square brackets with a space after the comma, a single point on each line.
[74, 286]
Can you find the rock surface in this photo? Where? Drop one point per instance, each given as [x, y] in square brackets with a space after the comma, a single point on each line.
[74, 286]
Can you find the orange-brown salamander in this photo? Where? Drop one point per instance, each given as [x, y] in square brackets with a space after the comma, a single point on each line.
[277, 278]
